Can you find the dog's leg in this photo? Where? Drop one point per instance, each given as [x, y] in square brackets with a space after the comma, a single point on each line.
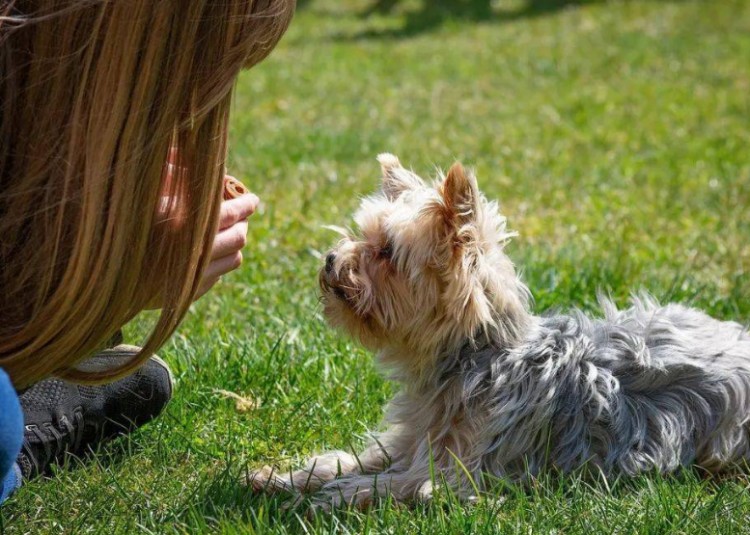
[405, 478]
[361, 490]
[320, 470]
[412, 485]
[358, 491]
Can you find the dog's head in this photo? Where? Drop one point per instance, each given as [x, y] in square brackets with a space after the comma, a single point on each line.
[425, 269]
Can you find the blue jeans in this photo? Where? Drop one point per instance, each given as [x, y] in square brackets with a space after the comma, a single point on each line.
[11, 437]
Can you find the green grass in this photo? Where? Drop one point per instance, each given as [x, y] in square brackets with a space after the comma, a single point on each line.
[616, 136]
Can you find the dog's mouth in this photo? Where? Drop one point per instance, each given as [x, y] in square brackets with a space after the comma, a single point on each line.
[328, 284]
[341, 294]
[331, 284]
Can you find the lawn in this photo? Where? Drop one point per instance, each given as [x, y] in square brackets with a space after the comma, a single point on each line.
[615, 135]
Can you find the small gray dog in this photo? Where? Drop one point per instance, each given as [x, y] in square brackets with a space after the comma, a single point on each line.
[487, 388]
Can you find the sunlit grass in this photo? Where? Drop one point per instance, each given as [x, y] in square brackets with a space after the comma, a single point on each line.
[615, 135]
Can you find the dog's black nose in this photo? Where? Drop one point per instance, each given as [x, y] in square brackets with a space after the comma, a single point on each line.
[329, 262]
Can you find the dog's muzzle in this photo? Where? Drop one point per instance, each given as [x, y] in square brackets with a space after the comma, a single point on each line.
[329, 281]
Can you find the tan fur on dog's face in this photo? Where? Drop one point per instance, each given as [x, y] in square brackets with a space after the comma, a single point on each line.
[425, 270]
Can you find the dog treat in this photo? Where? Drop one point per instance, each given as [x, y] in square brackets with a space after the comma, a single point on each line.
[233, 188]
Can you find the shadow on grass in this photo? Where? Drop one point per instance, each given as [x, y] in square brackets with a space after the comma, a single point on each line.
[432, 14]
[224, 497]
[221, 500]
[471, 9]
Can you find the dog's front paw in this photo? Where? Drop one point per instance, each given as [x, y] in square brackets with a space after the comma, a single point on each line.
[356, 492]
[319, 471]
[327, 502]
[258, 480]
[266, 480]
[426, 492]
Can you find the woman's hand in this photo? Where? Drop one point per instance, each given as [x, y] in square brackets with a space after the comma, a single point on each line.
[226, 253]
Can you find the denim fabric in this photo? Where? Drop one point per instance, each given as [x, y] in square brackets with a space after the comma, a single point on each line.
[11, 436]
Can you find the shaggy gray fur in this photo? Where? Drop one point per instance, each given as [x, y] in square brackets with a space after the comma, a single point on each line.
[645, 388]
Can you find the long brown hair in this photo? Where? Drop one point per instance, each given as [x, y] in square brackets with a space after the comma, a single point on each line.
[93, 95]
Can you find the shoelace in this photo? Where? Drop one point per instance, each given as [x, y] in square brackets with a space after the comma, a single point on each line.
[72, 435]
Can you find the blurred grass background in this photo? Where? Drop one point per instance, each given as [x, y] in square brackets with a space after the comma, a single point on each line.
[615, 135]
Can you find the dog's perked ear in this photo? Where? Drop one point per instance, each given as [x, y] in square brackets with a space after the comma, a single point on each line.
[396, 179]
[460, 195]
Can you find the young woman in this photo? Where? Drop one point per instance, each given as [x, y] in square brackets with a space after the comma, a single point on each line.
[113, 135]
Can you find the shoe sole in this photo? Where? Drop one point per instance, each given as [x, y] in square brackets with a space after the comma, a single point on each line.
[164, 365]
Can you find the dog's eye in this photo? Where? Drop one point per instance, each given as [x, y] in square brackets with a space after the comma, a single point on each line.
[386, 251]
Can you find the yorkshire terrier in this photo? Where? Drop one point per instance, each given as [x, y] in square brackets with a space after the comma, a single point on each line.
[490, 391]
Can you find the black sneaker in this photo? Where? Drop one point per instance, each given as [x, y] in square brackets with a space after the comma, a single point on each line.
[63, 418]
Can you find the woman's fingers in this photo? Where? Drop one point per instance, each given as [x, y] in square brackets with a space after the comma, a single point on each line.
[235, 210]
[226, 251]
[216, 269]
[222, 266]
[230, 240]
